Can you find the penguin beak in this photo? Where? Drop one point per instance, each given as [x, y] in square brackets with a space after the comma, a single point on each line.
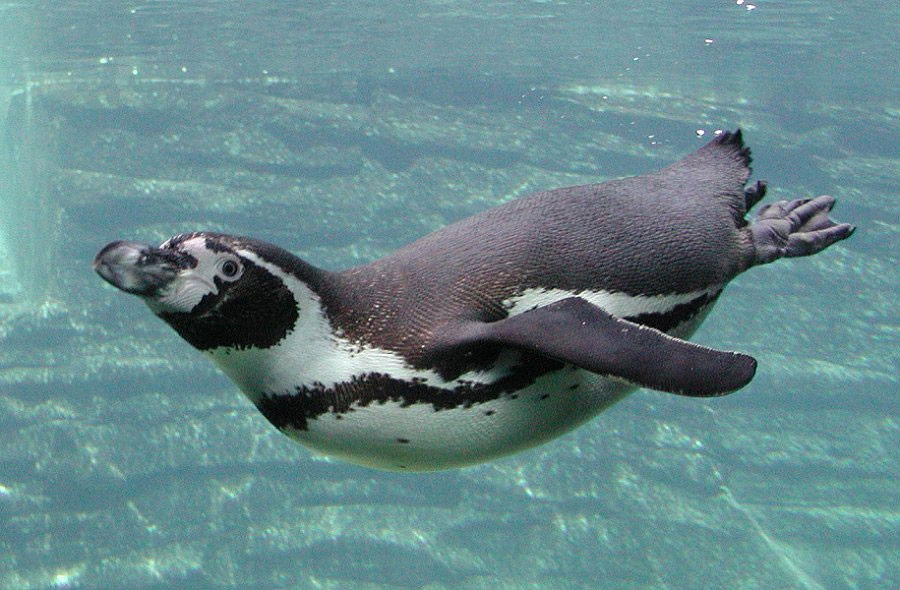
[138, 268]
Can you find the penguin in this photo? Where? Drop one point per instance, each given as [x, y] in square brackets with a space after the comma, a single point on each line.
[494, 334]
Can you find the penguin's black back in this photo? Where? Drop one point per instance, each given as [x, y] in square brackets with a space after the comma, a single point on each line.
[672, 231]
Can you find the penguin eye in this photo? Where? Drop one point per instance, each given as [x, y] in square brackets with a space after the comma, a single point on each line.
[229, 268]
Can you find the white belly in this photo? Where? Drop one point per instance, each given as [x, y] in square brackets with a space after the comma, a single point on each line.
[419, 438]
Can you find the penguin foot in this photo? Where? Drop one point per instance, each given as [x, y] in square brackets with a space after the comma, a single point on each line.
[796, 228]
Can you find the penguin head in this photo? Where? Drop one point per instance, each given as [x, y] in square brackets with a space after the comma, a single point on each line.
[215, 290]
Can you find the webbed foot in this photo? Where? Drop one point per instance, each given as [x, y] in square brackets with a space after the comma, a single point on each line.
[796, 228]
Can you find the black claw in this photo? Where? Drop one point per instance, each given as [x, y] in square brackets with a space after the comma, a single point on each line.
[754, 194]
[807, 243]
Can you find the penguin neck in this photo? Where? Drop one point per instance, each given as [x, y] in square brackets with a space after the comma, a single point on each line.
[310, 285]
[277, 367]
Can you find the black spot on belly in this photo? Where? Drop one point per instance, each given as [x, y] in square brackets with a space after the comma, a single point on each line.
[490, 412]
[296, 408]
[403, 441]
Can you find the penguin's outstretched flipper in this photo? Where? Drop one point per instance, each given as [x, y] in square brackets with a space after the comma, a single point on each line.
[577, 332]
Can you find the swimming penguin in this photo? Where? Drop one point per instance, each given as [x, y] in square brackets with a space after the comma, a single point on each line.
[493, 334]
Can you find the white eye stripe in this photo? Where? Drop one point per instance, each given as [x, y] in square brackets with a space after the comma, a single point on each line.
[213, 262]
[214, 267]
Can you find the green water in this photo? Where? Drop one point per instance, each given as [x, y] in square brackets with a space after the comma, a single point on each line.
[344, 130]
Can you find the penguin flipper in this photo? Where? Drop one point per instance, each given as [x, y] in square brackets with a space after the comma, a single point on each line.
[577, 332]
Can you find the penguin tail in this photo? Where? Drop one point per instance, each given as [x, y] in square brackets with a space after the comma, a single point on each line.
[732, 142]
[716, 175]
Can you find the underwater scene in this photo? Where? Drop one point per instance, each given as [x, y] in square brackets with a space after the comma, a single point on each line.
[342, 131]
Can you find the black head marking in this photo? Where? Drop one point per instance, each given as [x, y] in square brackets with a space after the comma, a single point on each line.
[258, 310]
